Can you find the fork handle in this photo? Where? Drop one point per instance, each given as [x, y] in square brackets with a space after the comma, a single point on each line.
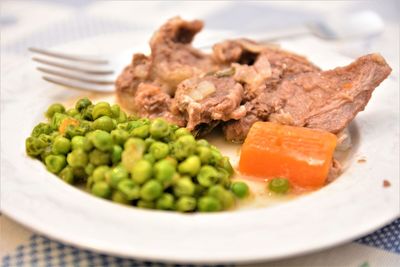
[283, 33]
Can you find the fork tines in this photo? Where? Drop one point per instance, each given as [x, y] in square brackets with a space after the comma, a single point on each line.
[73, 71]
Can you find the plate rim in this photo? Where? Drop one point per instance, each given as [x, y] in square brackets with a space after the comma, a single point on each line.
[241, 259]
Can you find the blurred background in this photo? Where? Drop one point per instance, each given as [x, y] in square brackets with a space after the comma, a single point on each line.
[47, 23]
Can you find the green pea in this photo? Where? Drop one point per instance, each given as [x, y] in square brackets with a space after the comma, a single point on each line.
[115, 110]
[181, 132]
[240, 189]
[79, 174]
[78, 130]
[101, 189]
[61, 145]
[151, 190]
[48, 139]
[77, 158]
[159, 128]
[82, 104]
[224, 177]
[35, 146]
[159, 150]
[120, 198]
[199, 190]
[190, 166]
[99, 174]
[216, 157]
[119, 136]
[98, 157]
[149, 141]
[67, 175]
[122, 126]
[101, 140]
[141, 131]
[104, 123]
[141, 171]
[46, 152]
[171, 160]
[133, 124]
[209, 204]
[138, 143]
[89, 183]
[184, 146]
[207, 176]
[144, 121]
[53, 109]
[122, 117]
[165, 202]
[164, 171]
[185, 204]
[87, 113]
[56, 120]
[130, 190]
[41, 128]
[55, 163]
[226, 198]
[145, 204]
[81, 142]
[72, 112]
[117, 174]
[226, 164]
[116, 154]
[184, 187]
[203, 142]
[134, 150]
[173, 127]
[279, 185]
[101, 109]
[77, 116]
[205, 154]
[89, 169]
[149, 157]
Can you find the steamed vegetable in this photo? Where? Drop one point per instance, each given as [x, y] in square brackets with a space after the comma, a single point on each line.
[301, 155]
[145, 163]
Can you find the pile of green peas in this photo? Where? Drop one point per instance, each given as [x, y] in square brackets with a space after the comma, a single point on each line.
[135, 161]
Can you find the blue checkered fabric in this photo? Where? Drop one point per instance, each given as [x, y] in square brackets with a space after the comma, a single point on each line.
[387, 238]
[41, 251]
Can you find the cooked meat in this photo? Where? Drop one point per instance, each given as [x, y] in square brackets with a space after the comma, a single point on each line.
[259, 67]
[334, 171]
[208, 99]
[242, 82]
[326, 100]
[236, 130]
[152, 102]
[174, 58]
[130, 78]
[241, 51]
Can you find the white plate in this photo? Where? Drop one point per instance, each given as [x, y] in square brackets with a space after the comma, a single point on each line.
[353, 205]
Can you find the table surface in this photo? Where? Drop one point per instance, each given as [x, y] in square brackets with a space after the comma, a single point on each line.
[49, 23]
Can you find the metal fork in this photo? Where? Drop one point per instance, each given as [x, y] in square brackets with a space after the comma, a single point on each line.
[96, 74]
[80, 72]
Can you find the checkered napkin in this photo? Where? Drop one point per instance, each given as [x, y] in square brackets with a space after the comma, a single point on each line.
[40, 251]
[387, 238]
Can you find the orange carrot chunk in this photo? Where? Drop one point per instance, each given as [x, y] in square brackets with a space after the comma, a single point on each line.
[299, 154]
[65, 123]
